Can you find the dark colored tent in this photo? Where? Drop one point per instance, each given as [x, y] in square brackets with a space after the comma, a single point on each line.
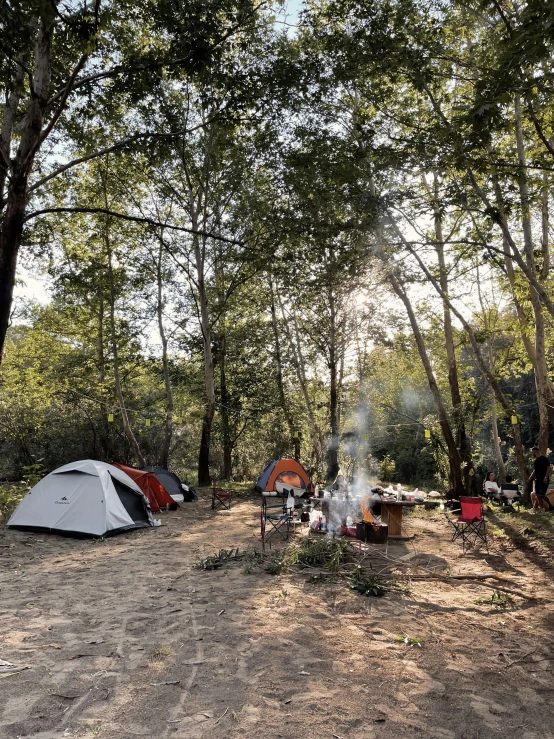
[171, 483]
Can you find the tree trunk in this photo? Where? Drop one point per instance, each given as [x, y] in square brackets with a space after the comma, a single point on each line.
[453, 380]
[168, 431]
[295, 439]
[209, 411]
[100, 338]
[545, 401]
[488, 376]
[117, 378]
[545, 222]
[224, 413]
[10, 241]
[454, 458]
[496, 442]
[31, 129]
[333, 449]
[494, 423]
[296, 348]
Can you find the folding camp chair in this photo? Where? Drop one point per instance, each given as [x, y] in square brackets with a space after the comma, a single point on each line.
[275, 519]
[470, 526]
[221, 498]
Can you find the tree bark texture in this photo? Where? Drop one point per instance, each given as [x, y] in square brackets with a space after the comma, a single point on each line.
[333, 449]
[209, 410]
[454, 458]
[168, 428]
[127, 429]
[295, 438]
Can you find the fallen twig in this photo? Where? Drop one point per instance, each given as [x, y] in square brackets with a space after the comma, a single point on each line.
[223, 714]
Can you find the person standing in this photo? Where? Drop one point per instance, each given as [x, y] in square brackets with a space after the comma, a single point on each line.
[541, 476]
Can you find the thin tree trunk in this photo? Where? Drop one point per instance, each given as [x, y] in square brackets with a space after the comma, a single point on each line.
[224, 412]
[209, 411]
[454, 458]
[333, 449]
[295, 438]
[522, 318]
[488, 376]
[117, 378]
[100, 338]
[453, 380]
[541, 368]
[295, 345]
[168, 431]
[545, 222]
[494, 423]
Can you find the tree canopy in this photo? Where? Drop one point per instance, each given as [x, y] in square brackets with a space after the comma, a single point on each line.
[331, 240]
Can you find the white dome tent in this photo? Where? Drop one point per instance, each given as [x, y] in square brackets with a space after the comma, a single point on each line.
[85, 498]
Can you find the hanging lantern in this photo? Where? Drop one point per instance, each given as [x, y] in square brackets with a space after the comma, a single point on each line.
[514, 420]
[366, 437]
[148, 422]
[427, 433]
[179, 419]
[110, 417]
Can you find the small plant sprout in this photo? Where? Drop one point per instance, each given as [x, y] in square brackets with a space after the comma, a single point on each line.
[411, 641]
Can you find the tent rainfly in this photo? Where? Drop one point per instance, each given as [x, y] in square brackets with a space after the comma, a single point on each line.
[286, 471]
[85, 498]
[157, 495]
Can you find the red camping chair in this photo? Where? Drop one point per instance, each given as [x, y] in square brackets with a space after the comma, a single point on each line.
[470, 526]
[221, 498]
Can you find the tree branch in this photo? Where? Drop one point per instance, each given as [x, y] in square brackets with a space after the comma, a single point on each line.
[135, 219]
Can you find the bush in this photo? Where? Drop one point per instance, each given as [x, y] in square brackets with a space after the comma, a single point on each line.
[386, 471]
[10, 495]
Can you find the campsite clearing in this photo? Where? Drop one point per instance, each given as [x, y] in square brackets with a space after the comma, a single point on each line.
[124, 638]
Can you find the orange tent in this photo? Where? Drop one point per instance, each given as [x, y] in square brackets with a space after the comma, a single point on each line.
[157, 495]
[285, 470]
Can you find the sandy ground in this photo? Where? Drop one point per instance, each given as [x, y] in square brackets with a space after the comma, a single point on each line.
[125, 638]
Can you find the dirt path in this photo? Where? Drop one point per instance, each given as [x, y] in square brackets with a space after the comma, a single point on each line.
[124, 638]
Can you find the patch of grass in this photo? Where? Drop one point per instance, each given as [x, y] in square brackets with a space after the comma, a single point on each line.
[411, 641]
[278, 599]
[160, 653]
[318, 552]
[419, 511]
[497, 599]
[215, 561]
[321, 578]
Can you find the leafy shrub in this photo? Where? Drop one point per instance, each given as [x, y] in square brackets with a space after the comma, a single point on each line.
[386, 471]
[10, 495]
